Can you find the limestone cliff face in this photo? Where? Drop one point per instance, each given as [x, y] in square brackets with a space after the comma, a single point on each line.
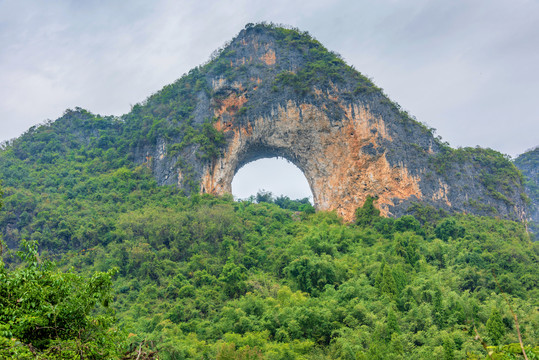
[277, 92]
[339, 173]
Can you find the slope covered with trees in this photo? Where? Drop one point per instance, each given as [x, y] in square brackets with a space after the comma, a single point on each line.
[209, 277]
[242, 278]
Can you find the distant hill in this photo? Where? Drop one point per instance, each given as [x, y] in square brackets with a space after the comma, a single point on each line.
[528, 163]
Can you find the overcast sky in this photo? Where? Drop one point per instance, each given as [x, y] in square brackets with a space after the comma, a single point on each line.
[468, 68]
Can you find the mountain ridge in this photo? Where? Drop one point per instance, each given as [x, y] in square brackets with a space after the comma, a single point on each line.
[528, 163]
[185, 131]
[266, 70]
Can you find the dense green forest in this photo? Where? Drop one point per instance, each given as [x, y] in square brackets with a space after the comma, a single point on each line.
[208, 277]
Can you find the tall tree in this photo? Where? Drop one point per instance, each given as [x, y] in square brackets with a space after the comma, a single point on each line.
[368, 213]
[495, 326]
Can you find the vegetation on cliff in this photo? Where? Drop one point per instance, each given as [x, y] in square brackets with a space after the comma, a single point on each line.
[498, 174]
[528, 163]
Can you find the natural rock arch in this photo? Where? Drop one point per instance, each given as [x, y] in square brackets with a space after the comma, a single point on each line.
[329, 154]
[278, 92]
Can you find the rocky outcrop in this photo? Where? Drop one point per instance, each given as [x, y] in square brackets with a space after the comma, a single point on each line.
[277, 92]
[528, 163]
[339, 172]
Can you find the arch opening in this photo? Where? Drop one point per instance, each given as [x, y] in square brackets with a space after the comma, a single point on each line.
[276, 175]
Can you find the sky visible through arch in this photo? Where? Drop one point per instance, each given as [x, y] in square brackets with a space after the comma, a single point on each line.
[467, 68]
[276, 175]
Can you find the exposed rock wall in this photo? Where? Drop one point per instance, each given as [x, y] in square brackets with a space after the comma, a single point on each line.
[339, 173]
[341, 131]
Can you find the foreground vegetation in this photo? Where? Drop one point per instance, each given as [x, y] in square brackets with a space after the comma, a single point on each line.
[207, 277]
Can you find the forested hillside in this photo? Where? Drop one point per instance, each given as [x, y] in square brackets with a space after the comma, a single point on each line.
[223, 279]
[111, 265]
[207, 277]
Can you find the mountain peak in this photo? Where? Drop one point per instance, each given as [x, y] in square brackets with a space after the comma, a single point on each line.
[275, 91]
[291, 56]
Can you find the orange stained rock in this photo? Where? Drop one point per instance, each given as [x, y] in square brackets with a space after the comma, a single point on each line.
[356, 175]
[257, 80]
[340, 174]
[441, 194]
[269, 57]
[230, 104]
